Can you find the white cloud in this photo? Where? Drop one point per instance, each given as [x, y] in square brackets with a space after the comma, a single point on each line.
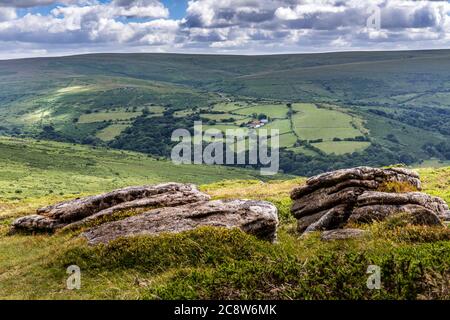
[36, 3]
[255, 26]
[304, 11]
[7, 14]
[140, 9]
[326, 24]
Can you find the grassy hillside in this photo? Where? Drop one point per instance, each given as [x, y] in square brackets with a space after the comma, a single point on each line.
[33, 173]
[219, 264]
[398, 101]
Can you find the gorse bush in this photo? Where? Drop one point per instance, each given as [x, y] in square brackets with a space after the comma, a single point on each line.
[329, 275]
[410, 233]
[396, 187]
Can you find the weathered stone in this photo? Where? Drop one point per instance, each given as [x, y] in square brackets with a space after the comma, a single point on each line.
[258, 218]
[304, 222]
[331, 199]
[77, 209]
[434, 204]
[333, 178]
[342, 234]
[446, 216]
[160, 200]
[36, 223]
[417, 214]
[320, 201]
[75, 212]
[331, 219]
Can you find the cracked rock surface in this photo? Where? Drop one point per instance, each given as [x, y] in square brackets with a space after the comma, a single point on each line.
[81, 210]
[258, 218]
[329, 200]
[169, 207]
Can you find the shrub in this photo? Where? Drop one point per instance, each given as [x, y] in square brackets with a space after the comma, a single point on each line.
[329, 275]
[200, 247]
[399, 232]
[214, 263]
[284, 208]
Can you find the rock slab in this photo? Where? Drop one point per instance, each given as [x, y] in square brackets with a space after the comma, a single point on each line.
[258, 218]
[85, 209]
[376, 206]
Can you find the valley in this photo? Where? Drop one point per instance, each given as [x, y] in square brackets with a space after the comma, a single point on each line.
[332, 110]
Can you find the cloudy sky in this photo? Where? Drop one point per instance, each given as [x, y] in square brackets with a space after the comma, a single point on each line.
[63, 27]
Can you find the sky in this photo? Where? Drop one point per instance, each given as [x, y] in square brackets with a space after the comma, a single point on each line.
[36, 28]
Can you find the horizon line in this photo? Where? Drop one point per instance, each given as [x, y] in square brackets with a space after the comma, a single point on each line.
[224, 54]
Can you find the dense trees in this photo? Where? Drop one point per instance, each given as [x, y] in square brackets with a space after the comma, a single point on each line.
[151, 134]
[48, 133]
[428, 118]
[440, 150]
[375, 155]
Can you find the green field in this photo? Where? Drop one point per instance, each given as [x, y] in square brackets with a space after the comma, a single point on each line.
[156, 109]
[302, 150]
[229, 106]
[341, 147]
[183, 113]
[222, 127]
[287, 140]
[112, 131]
[220, 117]
[311, 123]
[284, 126]
[272, 111]
[107, 116]
[49, 170]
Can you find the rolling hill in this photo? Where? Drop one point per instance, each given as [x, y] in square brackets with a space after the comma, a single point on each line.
[333, 110]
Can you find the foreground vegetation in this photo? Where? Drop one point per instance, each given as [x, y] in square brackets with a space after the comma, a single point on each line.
[207, 263]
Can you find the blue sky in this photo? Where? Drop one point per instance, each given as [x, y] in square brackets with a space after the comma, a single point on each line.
[63, 27]
[177, 8]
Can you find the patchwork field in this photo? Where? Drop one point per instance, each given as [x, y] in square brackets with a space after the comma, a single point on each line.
[374, 104]
[322, 127]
